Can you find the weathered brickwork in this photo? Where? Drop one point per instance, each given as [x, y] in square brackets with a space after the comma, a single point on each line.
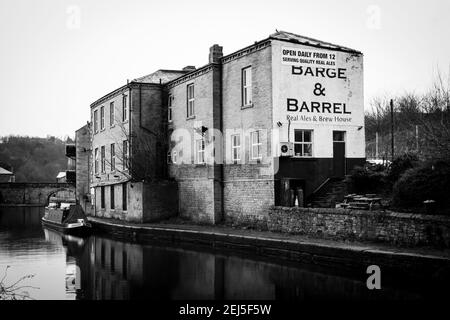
[144, 130]
[30, 193]
[248, 185]
[247, 201]
[401, 229]
[199, 189]
[146, 202]
[82, 164]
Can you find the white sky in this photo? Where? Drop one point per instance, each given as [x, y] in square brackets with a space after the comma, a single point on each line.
[51, 68]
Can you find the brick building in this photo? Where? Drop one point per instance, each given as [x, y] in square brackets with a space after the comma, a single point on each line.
[236, 135]
[128, 151]
[82, 167]
[288, 112]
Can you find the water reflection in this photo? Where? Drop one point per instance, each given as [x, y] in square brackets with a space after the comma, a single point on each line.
[98, 267]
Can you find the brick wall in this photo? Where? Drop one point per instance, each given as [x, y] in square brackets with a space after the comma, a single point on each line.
[160, 200]
[30, 193]
[248, 185]
[82, 164]
[247, 201]
[401, 229]
[199, 189]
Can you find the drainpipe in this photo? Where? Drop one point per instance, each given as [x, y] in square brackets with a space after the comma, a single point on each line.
[130, 134]
[222, 169]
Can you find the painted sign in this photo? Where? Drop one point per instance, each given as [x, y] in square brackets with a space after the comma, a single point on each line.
[298, 56]
[317, 87]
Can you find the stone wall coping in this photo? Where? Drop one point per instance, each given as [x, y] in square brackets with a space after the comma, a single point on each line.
[379, 213]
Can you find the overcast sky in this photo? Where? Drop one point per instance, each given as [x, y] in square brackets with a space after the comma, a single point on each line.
[59, 56]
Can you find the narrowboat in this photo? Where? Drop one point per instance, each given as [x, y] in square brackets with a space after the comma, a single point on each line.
[66, 218]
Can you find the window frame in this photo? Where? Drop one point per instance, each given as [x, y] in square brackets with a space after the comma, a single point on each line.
[124, 197]
[303, 143]
[102, 197]
[169, 109]
[190, 101]
[124, 108]
[96, 121]
[258, 144]
[174, 157]
[96, 161]
[234, 147]
[112, 202]
[112, 114]
[113, 156]
[125, 154]
[199, 150]
[103, 159]
[102, 118]
[246, 87]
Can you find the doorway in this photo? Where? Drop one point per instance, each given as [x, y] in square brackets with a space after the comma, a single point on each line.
[339, 168]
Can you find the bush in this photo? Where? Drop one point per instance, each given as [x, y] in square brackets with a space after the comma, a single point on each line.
[401, 164]
[430, 181]
[368, 179]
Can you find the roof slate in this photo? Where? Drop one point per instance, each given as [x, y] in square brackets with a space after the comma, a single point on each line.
[292, 37]
[160, 75]
[5, 172]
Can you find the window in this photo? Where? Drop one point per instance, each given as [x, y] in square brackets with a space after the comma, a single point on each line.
[95, 121]
[96, 161]
[303, 143]
[124, 196]
[112, 197]
[102, 159]
[174, 157]
[235, 147]
[102, 118]
[246, 86]
[338, 136]
[200, 151]
[125, 154]
[124, 108]
[113, 157]
[111, 114]
[256, 144]
[169, 109]
[190, 100]
[102, 197]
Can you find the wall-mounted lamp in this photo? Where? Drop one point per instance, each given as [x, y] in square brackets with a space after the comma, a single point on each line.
[360, 127]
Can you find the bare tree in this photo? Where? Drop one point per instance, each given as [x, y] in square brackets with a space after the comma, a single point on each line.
[422, 122]
[15, 291]
[141, 160]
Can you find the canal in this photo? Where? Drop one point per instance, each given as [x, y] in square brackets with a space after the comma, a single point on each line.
[99, 267]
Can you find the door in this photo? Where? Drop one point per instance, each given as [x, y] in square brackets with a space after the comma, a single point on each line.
[339, 153]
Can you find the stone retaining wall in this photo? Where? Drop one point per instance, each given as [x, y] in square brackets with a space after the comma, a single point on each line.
[401, 229]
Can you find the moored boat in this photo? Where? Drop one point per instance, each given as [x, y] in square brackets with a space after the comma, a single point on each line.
[66, 218]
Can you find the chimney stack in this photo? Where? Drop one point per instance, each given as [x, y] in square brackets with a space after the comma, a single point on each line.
[188, 68]
[215, 53]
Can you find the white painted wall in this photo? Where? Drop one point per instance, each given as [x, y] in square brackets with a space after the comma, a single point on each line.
[337, 90]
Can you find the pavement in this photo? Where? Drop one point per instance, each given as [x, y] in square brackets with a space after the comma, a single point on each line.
[273, 237]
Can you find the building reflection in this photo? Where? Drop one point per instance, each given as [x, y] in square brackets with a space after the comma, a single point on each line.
[113, 269]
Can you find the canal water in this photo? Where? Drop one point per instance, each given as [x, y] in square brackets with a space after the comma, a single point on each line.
[98, 267]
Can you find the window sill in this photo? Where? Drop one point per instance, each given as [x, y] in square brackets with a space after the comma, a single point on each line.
[247, 106]
[256, 160]
[125, 121]
[304, 158]
[190, 118]
[200, 164]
